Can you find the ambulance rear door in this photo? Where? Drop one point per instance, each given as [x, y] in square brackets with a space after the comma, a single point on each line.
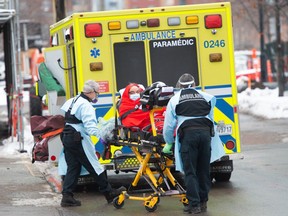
[172, 57]
[147, 57]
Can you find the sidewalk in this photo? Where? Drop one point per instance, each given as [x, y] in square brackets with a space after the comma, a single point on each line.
[50, 172]
[9, 149]
[24, 189]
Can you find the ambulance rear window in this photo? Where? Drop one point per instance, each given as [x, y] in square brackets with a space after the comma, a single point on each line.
[130, 63]
[171, 58]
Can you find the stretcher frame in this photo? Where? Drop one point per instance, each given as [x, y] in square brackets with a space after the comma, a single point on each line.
[148, 153]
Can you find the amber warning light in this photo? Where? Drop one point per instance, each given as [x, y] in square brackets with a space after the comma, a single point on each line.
[93, 30]
[213, 21]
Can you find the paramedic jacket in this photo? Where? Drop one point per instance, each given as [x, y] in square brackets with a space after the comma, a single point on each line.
[172, 121]
[84, 111]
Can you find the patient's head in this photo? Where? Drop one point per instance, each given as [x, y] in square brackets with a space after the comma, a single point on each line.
[134, 92]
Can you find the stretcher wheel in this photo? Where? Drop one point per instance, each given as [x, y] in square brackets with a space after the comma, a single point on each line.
[184, 201]
[116, 204]
[151, 209]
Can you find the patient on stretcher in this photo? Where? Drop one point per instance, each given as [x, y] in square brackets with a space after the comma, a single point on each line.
[130, 110]
[134, 114]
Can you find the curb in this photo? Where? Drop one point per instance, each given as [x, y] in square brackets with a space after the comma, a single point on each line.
[55, 184]
[53, 179]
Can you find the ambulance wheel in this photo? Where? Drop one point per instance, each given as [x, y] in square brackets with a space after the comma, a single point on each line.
[222, 177]
[116, 204]
[151, 209]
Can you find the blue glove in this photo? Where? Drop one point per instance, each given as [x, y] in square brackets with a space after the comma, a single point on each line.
[167, 148]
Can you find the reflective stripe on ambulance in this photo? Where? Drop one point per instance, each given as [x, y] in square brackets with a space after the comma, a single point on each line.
[224, 114]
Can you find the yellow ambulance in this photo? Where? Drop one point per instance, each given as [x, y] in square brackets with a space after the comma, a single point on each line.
[148, 45]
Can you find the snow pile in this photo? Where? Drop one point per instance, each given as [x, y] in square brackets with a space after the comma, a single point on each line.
[11, 145]
[263, 103]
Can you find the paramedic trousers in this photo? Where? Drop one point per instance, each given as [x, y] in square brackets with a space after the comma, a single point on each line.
[195, 153]
[76, 158]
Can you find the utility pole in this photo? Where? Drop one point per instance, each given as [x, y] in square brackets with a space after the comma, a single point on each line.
[60, 9]
[262, 44]
[280, 68]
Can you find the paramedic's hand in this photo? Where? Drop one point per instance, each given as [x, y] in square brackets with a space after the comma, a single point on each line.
[167, 148]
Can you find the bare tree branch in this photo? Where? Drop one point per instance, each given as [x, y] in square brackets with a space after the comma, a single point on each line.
[250, 16]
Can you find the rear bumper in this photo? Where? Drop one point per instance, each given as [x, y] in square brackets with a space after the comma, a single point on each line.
[221, 166]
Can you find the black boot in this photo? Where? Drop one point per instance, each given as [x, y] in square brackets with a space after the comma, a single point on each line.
[194, 210]
[113, 193]
[68, 200]
[203, 206]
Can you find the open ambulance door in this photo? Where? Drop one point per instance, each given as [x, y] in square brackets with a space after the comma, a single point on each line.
[59, 64]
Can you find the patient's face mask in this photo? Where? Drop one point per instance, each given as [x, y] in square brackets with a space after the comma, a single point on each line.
[134, 96]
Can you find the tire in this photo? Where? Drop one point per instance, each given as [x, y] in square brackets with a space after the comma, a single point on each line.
[152, 209]
[35, 103]
[116, 204]
[222, 177]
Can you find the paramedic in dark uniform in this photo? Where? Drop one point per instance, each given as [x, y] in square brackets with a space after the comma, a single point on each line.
[190, 112]
[79, 150]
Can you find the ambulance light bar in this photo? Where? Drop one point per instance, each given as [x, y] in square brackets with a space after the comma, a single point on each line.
[213, 21]
[93, 30]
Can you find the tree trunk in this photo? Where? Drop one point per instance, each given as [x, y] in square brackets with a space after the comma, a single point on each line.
[60, 9]
[280, 68]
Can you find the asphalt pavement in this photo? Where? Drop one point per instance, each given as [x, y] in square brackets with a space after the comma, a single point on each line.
[258, 186]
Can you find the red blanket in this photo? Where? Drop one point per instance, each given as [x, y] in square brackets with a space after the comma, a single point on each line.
[137, 118]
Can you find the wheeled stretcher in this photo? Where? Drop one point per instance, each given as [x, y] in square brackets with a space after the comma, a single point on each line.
[154, 166]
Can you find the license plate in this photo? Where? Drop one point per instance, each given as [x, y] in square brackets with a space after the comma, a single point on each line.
[222, 167]
[225, 129]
